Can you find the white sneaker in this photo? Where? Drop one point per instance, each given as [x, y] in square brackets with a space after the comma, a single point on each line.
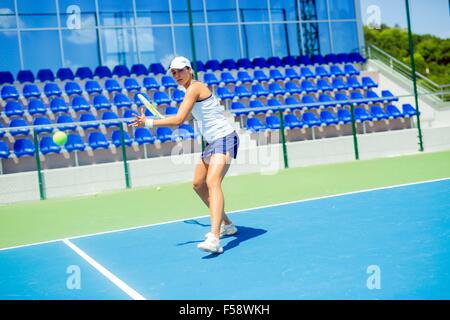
[211, 244]
[225, 230]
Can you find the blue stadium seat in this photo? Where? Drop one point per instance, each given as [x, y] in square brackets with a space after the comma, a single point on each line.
[131, 85]
[13, 108]
[223, 93]
[129, 114]
[84, 73]
[25, 76]
[368, 83]
[2, 132]
[325, 101]
[273, 123]
[51, 89]
[65, 74]
[117, 138]
[291, 74]
[409, 110]
[393, 112]
[310, 120]
[229, 64]
[171, 110]
[200, 66]
[102, 72]
[373, 95]
[259, 62]
[387, 96]
[276, 89]
[257, 104]
[242, 92]
[244, 77]
[260, 76]
[45, 75]
[350, 70]
[331, 58]
[31, 91]
[112, 85]
[85, 117]
[226, 78]
[36, 106]
[290, 61]
[164, 134]
[101, 102]
[353, 83]
[291, 121]
[344, 116]
[4, 150]
[259, 90]
[307, 86]
[121, 71]
[79, 103]
[24, 147]
[168, 82]
[274, 103]
[362, 115]
[323, 85]
[66, 119]
[237, 105]
[327, 118]
[275, 74]
[254, 125]
[184, 132]
[210, 79]
[378, 113]
[274, 62]
[47, 146]
[322, 72]
[356, 95]
[338, 84]
[306, 73]
[150, 83]
[160, 97]
[18, 123]
[74, 143]
[157, 68]
[72, 87]
[42, 121]
[343, 58]
[9, 92]
[293, 103]
[318, 59]
[292, 87]
[58, 105]
[341, 98]
[178, 95]
[244, 63]
[336, 71]
[92, 86]
[356, 57]
[213, 65]
[139, 70]
[6, 77]
[112, 117]
[138, 102]
[97, 140]
[310, 101]
[143, 135]
[121, 101]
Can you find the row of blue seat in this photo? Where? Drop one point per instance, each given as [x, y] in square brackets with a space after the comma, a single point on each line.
[25, 147]
[63, 74]
[326, 118]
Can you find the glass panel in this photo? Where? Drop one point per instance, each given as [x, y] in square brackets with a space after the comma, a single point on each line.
[9, 54]
[77, 14]
[284, 10]
[183, 43]
[37, 14]
[219, 51]
[80, 48]
[7, 14]
[221, 11]
[119, 47]
[286, 38]
[180, 11]
[116, 13]
[345, 37]
[155, 45]
[342, 9]
[256, 40]
[317, 12]
[324, 38]
[41, 50]
[152, 12]
[251, 10]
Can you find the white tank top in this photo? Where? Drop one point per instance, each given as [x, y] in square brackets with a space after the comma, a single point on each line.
[211, 120]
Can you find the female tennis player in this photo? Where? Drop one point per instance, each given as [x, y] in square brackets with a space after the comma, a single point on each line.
[222, 145]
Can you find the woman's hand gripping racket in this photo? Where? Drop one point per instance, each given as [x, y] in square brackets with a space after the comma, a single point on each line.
[140, 119]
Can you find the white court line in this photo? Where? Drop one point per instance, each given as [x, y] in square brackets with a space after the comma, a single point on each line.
[119, 283]
[235, 211]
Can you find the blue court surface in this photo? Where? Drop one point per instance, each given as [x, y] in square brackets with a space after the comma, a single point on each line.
[390, 243]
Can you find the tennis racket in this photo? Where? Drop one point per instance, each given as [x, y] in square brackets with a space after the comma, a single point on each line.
[150, 107]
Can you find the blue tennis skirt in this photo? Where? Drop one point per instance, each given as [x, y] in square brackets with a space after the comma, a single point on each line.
[229, 143]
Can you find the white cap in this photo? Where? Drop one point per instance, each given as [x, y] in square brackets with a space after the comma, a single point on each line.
[180, 63]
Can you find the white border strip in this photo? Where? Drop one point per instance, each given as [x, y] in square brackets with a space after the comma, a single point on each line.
[119, 283]
[235, 211]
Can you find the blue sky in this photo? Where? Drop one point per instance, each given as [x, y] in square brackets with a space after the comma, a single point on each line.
[427, 16]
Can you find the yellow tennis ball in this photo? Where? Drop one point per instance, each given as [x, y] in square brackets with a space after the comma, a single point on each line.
[60, 138]
[158, 188]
